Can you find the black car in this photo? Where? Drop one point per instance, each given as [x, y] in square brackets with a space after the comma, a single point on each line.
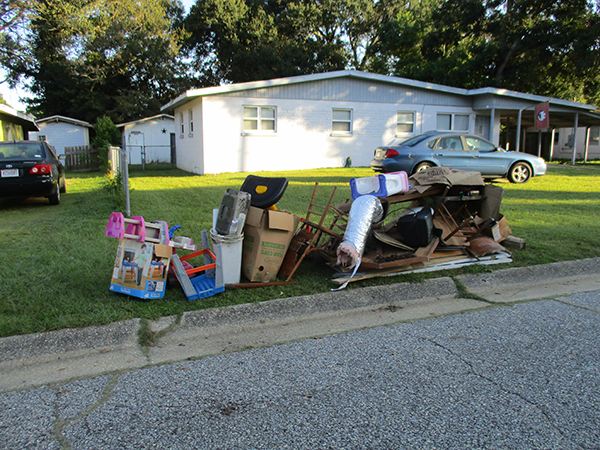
[30, 169]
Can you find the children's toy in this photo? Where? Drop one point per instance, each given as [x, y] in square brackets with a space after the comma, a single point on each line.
[136, 229]
[139, 269]
[265, 191]
[116, 227]
[200, 286]
[144, 254]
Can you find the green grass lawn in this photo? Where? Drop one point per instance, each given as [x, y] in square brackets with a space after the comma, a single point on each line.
[57, 263]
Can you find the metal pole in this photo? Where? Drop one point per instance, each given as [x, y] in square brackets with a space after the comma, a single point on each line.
[587, 144]
[552, 144]
[574, 152]
[125, 174]
[517, 146]
[539, 143]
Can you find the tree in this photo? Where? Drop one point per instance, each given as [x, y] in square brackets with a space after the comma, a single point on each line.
[99, 57]
[244, 40]
[547, 47]
[14, 57]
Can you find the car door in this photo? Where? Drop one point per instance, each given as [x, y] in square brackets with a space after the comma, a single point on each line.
[485, 157]
[449, 151]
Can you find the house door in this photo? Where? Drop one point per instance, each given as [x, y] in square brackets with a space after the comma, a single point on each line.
[482, 126]
[173, 150]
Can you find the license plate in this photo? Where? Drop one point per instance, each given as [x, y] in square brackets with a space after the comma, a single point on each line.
[379, 154]
[9, 173]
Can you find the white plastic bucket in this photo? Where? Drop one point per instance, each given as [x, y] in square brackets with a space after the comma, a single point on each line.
[228, 251]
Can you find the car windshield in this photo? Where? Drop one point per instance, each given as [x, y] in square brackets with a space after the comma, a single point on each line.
[414, 141]
[16, 151]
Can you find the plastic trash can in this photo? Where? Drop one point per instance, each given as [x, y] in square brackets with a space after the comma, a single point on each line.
[228, 250]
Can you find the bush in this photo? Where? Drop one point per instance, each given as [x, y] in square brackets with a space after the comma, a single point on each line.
[107, 134]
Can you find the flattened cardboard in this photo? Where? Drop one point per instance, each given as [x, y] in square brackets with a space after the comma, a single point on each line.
[267, 235]
[490, 205]
[141, 269]
[421, 181]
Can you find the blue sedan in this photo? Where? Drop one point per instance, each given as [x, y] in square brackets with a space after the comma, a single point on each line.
[457, 151]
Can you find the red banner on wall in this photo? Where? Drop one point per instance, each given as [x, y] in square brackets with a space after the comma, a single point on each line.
[542, 116]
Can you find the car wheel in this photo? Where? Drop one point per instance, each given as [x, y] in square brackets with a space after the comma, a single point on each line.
[423, 166]
[63, 186]
[519, 173]
[55, 198]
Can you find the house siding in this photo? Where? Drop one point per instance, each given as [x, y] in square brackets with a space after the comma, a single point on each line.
[354, 90]
[149, 134]
[562, 149]
[60, 135]
[304, 138]
[190, 147]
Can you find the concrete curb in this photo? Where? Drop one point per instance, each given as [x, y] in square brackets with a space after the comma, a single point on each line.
[58, 356]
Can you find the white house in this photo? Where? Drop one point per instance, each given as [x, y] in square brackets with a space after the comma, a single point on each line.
[149, 137]
[61, 132]
[321, 120]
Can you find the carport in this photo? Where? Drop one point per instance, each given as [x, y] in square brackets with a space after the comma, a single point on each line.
[515, 112]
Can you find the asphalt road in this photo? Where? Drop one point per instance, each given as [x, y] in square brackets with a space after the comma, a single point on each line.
[524, 375]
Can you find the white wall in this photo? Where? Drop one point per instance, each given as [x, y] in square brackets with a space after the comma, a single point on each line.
[190, 145]
[149, 134]
[61, 135]
[303, 139]
[564, 151]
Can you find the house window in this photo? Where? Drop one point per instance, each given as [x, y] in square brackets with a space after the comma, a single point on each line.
[191, 118]
[341, 121]
[41, 137]
[182, 124]
[260, 119]
[595, 136]
[452, 122]
[405, 122]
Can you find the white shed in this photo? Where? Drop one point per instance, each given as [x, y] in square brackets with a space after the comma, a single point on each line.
[61, 132]
[149, 137]
[321, 120]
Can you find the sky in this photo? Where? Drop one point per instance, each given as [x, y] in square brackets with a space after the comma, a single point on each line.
[12, 96]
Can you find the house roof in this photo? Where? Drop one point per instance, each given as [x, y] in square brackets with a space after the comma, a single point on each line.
[64, 119]
[146, 119]
[9, 114]
[194, 93]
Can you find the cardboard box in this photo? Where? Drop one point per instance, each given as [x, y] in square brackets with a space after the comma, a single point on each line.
[141, 269]
[501, 230]
[267, 235]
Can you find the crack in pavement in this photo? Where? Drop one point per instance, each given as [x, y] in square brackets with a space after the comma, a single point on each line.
[60, 424]
[471, 368]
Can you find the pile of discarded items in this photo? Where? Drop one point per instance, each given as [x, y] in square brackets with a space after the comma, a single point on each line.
[437, 219]
[446, 219]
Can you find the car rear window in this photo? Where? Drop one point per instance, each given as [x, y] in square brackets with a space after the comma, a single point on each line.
[16, 151]
[416, 140]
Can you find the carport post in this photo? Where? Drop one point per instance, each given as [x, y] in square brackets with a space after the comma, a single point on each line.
[552, 143]
[587, 144]
[517, 148]
[574, 152]
[539, 143]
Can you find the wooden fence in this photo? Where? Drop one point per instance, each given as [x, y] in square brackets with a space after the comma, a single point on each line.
[81, 159]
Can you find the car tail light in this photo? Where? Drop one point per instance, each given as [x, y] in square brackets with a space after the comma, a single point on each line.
[390, 153]
[41, 169]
